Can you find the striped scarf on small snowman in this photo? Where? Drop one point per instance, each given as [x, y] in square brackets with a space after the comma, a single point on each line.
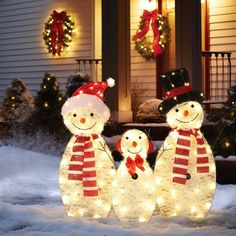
[82, 164]
[182, 152]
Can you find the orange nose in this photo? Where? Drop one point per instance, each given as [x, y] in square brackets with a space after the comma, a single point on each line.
[82, 120]
[186, 113]
[134, 144]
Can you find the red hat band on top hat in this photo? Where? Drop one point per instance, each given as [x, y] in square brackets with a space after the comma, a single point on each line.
[178, 91]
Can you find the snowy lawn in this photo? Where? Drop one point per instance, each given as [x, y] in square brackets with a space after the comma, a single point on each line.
[31, 205]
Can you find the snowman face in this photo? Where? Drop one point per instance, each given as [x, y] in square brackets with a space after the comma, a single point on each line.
[187, 115]
[83, 121]
[134, 142]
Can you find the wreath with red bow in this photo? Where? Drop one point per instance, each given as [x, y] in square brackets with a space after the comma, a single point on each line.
[58, 32]
[161, 34]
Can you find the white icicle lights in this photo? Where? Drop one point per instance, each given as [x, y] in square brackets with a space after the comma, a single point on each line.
[86, 169]
[185, 173]
[133, 188]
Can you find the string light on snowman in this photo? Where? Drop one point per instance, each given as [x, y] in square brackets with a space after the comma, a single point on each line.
[87, 168]
[185, 172]
[133, 191]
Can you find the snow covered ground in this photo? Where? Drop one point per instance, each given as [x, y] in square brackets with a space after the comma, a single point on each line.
[30, 205]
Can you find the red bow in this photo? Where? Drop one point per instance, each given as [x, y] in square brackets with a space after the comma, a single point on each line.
[148, 16]
[131, 165]
[57, 31]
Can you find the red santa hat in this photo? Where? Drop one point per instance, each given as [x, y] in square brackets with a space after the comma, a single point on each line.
[90, 96]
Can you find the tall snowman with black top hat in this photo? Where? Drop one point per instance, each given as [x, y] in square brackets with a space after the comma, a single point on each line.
[185, 172]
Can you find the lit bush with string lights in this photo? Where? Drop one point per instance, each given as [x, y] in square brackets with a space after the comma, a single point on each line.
[48, 103]
[225, 143]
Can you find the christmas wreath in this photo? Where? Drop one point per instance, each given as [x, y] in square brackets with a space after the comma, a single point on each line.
[58, 32]
[161, 34]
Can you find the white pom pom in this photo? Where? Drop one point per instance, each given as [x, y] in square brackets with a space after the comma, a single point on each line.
[110, 82]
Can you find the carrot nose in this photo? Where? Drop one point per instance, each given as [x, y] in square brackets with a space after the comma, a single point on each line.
[82, 120]
[186, 113]
[134, 144]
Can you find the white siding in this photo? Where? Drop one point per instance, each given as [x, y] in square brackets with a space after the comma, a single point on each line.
[223, 30]
[141, 70]
[22, 50]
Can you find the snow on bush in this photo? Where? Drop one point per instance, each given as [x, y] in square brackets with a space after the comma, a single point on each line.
[149, 107]
[37, 141]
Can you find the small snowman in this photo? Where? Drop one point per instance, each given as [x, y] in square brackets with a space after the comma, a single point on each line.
[87, 169]
[134, 191]
[185, 169]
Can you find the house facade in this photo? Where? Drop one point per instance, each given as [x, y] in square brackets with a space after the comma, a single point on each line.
[104, 30]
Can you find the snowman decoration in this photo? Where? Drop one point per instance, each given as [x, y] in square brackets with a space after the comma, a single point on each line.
[185, 172]
[87, 169]
[134, 191]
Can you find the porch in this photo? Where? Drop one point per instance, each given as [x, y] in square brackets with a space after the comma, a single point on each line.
[197, 29]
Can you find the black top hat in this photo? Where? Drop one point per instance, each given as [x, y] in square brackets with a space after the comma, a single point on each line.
[178, 90]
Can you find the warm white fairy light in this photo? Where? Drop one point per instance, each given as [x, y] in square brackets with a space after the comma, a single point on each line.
[194, 198]
[76, 204]
[196, 190]
[134, 196]
[177, 207]
[157, 181]
[212, 186]
[174, 193]
[160, 200]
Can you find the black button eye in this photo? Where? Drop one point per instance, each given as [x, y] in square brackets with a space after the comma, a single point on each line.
[192, 106]
[176, 110]
[91, 114]
[74, 115]
[127, 137]
[140, 137]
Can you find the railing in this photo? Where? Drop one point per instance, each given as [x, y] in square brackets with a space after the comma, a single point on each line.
[90, 66]
[216, 68]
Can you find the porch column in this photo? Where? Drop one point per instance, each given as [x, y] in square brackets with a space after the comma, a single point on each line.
[116, 57]
[188, 39]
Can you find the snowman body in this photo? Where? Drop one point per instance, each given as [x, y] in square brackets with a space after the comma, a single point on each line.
[86, 124]
[134, 194]
[191, 193]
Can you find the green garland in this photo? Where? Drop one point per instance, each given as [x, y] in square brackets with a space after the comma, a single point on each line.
[68, 26]
[144, 46]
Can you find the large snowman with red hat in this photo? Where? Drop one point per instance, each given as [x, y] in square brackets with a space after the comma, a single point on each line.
[86, 169]
[185, 172]
[133, 188]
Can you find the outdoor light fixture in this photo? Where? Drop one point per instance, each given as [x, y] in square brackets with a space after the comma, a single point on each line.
[148, 5]
[170, 4]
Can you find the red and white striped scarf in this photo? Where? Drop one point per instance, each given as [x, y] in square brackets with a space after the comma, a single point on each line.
[182, 155]
[82, 164]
